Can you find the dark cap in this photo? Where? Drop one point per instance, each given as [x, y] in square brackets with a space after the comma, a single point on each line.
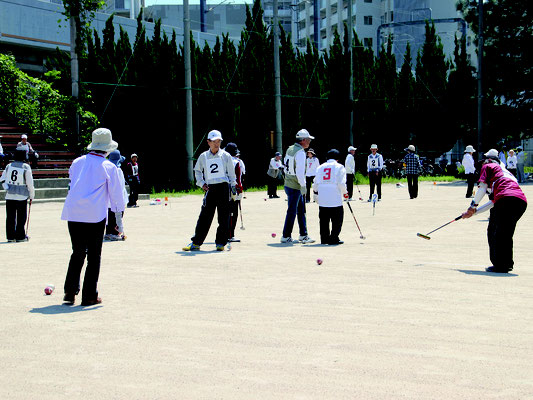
[231, 148]
[333, 154]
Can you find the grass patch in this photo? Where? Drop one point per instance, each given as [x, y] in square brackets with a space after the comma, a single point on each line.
[359, 180]
[529, 170]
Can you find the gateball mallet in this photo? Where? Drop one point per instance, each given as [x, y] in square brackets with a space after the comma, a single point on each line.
[353, 215]
[28, 222]
[240, 213]
[426, 236]
[360, 195]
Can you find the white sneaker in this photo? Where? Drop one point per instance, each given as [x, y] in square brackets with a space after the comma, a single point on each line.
[306, 239]
[288, 240]
[234, 239]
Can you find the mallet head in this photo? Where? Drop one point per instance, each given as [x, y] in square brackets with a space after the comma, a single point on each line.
[423, 236]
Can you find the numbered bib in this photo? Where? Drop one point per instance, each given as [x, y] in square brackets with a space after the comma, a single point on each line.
[135, 169]
[16, 176]
[289, 164]
[215, 169]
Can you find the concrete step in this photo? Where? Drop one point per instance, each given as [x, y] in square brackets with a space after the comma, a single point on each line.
[62, 199]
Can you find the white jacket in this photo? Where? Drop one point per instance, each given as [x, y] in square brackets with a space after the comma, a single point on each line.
[330, 183]
[349, 164]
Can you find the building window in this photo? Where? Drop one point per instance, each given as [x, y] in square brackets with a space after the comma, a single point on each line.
[367, 42]
[391, 16]
[119, 4]
[468, 40]
[368, 1]
[368, 20]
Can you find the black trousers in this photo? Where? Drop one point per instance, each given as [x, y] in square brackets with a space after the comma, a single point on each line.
[217, 198]
[471, 181]
[349, 184]
[412, 185]
[503, 218]
[134, 190]
[234, 215]
[375, 181]
[272, 186]
[16, 215]
[335, 215]
[86, 241]
[309, 183]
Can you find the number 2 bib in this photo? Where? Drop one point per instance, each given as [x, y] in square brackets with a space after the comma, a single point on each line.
[215, 168]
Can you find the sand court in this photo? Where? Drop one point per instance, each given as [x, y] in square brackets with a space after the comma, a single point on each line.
[392, 316]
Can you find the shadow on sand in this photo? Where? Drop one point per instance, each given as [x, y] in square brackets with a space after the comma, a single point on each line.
[62, 309]
[493, 274]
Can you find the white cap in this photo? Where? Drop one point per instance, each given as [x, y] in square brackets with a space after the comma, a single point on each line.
[134, 155]
[214, 135]
[352, 148]
[410, 148]
[374, 146]
[492, 153]
[304, 134]
[23, 136]
[469, 149]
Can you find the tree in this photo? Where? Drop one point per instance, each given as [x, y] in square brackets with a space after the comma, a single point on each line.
[507, 64]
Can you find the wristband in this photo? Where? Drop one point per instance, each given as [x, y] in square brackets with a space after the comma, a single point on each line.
[472, 204]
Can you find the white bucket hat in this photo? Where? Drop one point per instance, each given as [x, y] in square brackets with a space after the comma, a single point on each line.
[352, 148]
[374, 146]
[23, 136]
[102, 141]
[214, 135]
[304, 134]
[410, 148]
[492, 153]
[469, 149]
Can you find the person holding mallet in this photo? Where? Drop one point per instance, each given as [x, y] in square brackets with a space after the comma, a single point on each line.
[374, 166]
[507, 205]
[329, 187]
[215, 174]
[349, 165]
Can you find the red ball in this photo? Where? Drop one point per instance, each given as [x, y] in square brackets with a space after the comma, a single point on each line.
[48, 290]
[273, 235]
[319, 261]
[265, 199]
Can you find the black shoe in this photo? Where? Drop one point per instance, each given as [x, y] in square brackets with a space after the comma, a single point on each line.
[275, 197]
[498, 270]
[91, 302]
[336, 243]
[69, 298]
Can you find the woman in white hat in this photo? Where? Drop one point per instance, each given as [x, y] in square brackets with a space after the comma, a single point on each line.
[470, 170]
[512, 163]
[507, 204]
[31, 154]
[94, 184]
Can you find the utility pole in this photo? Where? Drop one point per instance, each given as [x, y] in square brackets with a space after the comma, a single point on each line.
[350, 50]
[277, 79]
[480, 79]
[202, 15]
[316, 23]
[75, 77]
[188, 89]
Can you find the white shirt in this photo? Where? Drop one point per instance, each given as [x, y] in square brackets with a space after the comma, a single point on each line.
[512, 162]
[468, 163]
[243, 168]
[330, 183]
[94, 186]
[275, 164]
[1, 149]
[375, 162]
[216, 168]
[27, 180]
[312, 165]
[349, 164]
[501, 156]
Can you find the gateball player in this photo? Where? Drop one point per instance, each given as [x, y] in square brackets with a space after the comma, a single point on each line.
[349, 165]
[18, 181]
[507, 204]
[374, 167]
[329, 187]
[295, 188]
[215, 174]
[231, 148]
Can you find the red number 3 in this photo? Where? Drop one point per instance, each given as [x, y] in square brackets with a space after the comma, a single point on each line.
[327, 174]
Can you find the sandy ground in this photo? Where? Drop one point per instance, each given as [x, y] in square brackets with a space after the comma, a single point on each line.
[390, 317]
